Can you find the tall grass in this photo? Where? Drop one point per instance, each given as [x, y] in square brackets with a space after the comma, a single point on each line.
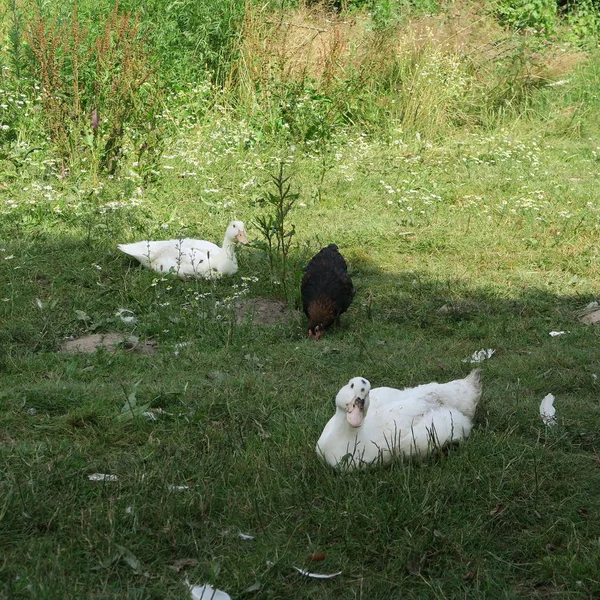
[296, 74]
[302, 70]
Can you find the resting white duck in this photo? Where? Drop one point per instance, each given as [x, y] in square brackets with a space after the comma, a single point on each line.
[375, 425]
[189, 258]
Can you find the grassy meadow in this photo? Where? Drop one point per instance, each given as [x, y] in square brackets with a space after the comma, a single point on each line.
[451, 152]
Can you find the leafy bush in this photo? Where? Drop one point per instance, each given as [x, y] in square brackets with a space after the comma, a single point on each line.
[99, 90]
[194, 37]
[303, 74]
[540, 15]
[583, 18]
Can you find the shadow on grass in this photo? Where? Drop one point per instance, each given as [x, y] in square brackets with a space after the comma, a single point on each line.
[66, 274]
[475, 521]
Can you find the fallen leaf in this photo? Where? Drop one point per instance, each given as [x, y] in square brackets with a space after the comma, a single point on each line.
[107, 562]
[557, 333]
[255, 587]
[122, 553]
[316, 556]
[130, 558]
[497, 509]
[317, 575]
[547, 411]
[182, 563]
[130, 409]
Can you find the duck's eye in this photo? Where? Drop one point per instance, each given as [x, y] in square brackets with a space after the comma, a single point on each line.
[363, 382]
[351, 386]
[362, 389]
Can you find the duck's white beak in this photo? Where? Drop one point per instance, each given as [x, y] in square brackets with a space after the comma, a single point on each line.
[241, 237]
[355, 413]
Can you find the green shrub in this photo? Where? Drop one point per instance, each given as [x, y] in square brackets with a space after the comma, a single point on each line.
[583, 18]
[540, 15]
[192, 37]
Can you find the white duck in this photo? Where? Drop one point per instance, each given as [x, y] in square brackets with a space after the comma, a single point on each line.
[188, 257]
[376, 425]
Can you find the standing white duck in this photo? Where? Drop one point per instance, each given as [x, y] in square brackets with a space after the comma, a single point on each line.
[376, 425]
[188, 257]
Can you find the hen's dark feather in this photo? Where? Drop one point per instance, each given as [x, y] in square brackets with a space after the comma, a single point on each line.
[327, 289]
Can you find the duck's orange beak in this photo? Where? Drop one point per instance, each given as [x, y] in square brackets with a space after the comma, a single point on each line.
[241, 237]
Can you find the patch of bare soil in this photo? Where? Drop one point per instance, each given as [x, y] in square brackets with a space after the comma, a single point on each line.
[590, 314]
[264, 311]
[109, 341]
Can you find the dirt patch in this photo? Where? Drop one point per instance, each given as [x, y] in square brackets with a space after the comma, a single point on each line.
[264, 311]
[109, 341]
[590, 314]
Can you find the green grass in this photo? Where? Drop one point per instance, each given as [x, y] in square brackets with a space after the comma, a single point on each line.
[499, 225]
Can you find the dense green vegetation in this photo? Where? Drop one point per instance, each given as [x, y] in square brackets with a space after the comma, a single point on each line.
[451, 150]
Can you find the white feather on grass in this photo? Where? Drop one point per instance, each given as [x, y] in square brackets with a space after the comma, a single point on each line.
[547, 411]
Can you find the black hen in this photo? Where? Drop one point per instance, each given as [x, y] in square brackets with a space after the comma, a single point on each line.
[327, 290]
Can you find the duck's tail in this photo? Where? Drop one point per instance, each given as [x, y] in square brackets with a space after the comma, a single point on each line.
[437, 429]
[139, 250]
[462, 394]
[136, 249]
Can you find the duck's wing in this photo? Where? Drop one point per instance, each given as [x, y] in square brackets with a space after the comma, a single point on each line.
[149, 252]
[190, 245]
[186, 257]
